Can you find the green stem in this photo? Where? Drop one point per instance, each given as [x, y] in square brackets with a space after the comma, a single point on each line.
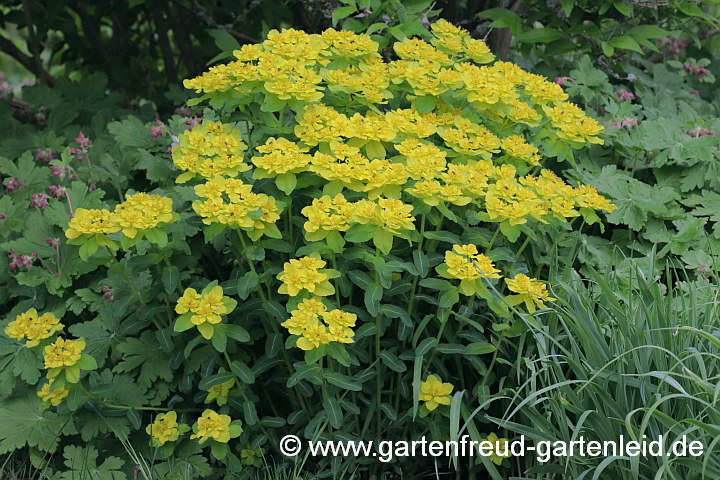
[492, 240]
[522, 247]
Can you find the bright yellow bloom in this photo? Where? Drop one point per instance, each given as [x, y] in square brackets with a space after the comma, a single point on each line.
[281, 156]
[142, 212]
[434, 392]
[91, 222]
[571, 123]
[204, 308]
[220, 392]
[212, 426]
[387, 213]
[327, 214]
[305, 273]
[515, 146]
[314, 336]
[164, 429]
[465, 263]
[54, 397]
[424, 160]
[321, 123]
[63, 353]
[469, 138]
[529, 291]
[210, 149]
[34, 328]
[305, 322]
[349, 44]
[420, 51]
[501, 449]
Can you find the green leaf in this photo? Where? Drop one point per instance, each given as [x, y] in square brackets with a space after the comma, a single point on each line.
[144, 353]
[373, 295]
[243, 372]
[443, 236]
[246, 284]
[449, 298]
[334, 412]
[224, 41]
[539, 35]
[26, 421]
[503, 18]
[170, 277]
[82, 463]
[425, 346]
[648, 31]
[623, 8]
[250, 412]
[392, 361]
[394, 311]
[359, 233]
[213, 380]
[422, 263]
[375, 149]
[625, 42]
[286, 182]
[479, 348]
[343, 381]
[425, 103]
[342, 12]
[383, 240]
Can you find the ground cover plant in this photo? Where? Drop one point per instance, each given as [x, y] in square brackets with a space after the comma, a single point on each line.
[315, 255]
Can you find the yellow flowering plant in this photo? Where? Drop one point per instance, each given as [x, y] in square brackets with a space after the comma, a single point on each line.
[342, 222]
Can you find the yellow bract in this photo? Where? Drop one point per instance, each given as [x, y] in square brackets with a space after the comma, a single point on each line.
[533, 293]
[210, 149]
[212, 426]
[54, 397]
[434, 392]
[305, 273]
[305, 322]
[33, 328]
[164, 429]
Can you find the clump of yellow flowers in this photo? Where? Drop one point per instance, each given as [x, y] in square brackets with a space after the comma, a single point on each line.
[203, 310]
[65, 359]
[215, 427]
[33, 327]
[312, 333]
[433, 392]
[165, 429]
[307, 274]
[140, 216]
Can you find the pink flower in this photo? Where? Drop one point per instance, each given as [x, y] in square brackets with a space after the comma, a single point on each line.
[699, 132]
[157, 130]
[623, 95]
[21, 261]
[62, 171]
[57, 191]
[191, 122]
[45, 155]
[54, 243]
[563, 81]
[40, 200]
[3, 216]
[14, 184]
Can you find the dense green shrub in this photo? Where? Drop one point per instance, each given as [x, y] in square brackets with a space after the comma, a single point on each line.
[344, 232]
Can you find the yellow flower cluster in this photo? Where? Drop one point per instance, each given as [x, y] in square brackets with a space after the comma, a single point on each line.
[306, 273]
[204, 309]
[63, 353]
[572, 124]
[465, 263]
[55, 396]
[433, 392]
[457, 41]
[470, 138]
[305, 322]
[533, 293]
[33, 328]
[210, 149]
[232, 202]
[515, 146]
[281, 156]
[327, 214]
[91, 222]
[140, 211]
[165, 429]
[219, 393]
[213, 426]
[390, 214]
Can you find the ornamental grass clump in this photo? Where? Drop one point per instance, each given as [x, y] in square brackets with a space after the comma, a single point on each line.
[343, 233]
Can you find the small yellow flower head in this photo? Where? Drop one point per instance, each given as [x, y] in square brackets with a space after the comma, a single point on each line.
[390, 214]
[90, 222]
[281, 156]
[164, 429]
[212, 426]
[305, 322]
[424, 160]
[142, 212]
[63, 353]
[529, 291]
[314, 336]
[54, 397]
[572, 124]
[515, 146]
[220, 392]
[349, 44]
[590, 198]
[305, 274]
[433, 392]
[34, 328]
[470, 138]
[327, 214]
[465, 263]
[202, 310]
[320, 124]
[501, 449]
[210, 149]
